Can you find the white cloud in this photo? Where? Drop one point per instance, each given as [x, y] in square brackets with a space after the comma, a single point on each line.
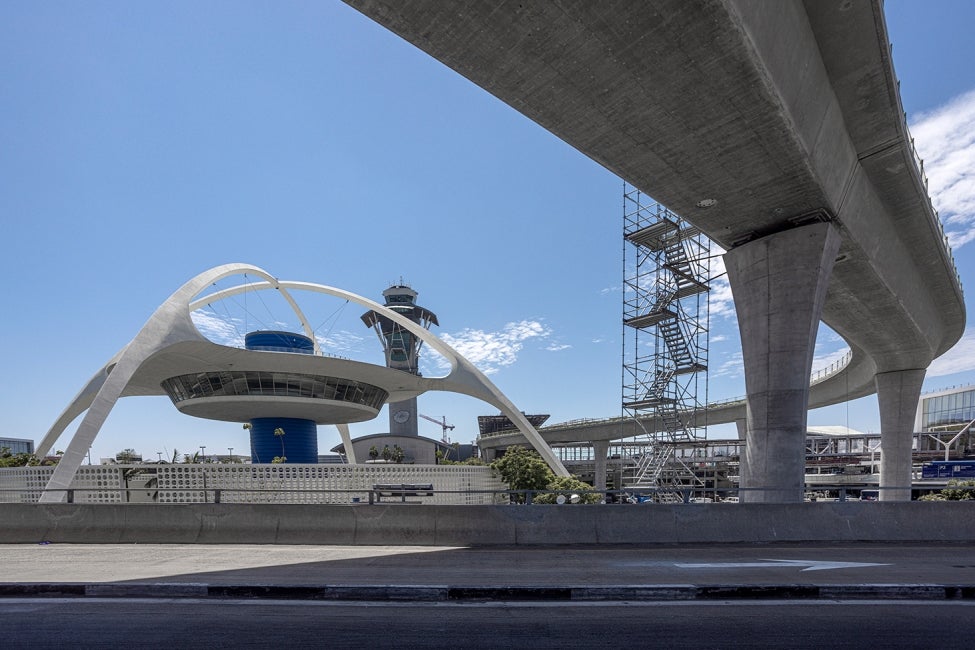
[960, 358]
[557, 347]
[734, 367]
[218, 329]
[945, 140]
[491, 351]
[341, 343]
[823, 360]
[228, 330]
[722, 302]
[609, 290]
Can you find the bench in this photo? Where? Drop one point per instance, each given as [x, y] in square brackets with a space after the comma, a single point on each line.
[401, 490]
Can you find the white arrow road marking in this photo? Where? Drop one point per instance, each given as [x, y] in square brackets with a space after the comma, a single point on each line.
[811, 565]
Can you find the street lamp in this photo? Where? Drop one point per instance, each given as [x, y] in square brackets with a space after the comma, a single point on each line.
[230, 457]
[203, 451]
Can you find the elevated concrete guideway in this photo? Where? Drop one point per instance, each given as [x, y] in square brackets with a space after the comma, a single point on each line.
[788, 116]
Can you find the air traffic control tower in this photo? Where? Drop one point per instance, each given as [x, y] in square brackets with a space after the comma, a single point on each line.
[402, 349]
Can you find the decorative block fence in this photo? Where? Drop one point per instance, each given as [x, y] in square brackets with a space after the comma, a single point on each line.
[201, 483]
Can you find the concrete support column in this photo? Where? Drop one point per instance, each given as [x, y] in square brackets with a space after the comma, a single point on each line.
[600, 451]
[897, 394]
[779, 285]
[742, 425]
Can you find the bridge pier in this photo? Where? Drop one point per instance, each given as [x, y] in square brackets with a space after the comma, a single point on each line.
[741, 425]
[600, 451]
[779, 285]
[897, 395]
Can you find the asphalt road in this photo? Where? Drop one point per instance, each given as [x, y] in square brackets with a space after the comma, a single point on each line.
[162, 623]
[748, 564]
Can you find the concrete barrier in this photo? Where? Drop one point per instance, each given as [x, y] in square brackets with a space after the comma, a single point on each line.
[447, 525]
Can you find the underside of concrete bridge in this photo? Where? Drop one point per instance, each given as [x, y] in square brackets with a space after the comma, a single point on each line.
[777, 129]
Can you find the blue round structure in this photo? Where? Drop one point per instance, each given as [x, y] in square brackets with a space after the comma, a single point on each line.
[292, 439]
[297, 440]
[274, 341]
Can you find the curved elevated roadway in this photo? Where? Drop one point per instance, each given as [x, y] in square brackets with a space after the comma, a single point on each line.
[788, 115]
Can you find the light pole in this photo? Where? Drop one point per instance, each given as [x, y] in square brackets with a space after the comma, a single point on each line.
[230, 455]
[203, 451]
[159, 454]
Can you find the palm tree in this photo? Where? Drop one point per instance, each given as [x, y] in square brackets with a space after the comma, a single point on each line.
[279, 433]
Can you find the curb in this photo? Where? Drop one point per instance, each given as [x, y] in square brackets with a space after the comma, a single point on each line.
[468, 593]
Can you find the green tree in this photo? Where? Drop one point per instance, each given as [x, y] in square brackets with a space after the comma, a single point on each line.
[473, 460]
[568, 486]
[126, 456]
[387, 452]
[523, 469]
[373, 452]
[397, 455]
[955, 491]
[279, 433]
[8, 459]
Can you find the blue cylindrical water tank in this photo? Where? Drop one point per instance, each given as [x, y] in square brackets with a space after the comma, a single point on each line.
[299, 444]
[272, 341]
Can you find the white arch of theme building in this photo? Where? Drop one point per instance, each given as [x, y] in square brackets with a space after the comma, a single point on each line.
[172, 324]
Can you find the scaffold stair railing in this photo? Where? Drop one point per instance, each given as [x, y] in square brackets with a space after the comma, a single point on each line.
[659, 308]
[651, 465]
[680, 353]
[673, 424]
[662, 298]
[660, 384]
[683, 273]
[655, 236]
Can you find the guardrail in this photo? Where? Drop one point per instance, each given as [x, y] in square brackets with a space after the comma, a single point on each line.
[673, 495]
[919, 166]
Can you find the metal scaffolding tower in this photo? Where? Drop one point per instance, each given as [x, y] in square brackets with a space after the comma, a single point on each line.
[667, 271]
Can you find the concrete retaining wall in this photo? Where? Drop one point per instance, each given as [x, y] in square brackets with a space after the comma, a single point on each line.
[405, 524]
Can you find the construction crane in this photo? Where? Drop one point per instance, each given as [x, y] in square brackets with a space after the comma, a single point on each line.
[443, 425]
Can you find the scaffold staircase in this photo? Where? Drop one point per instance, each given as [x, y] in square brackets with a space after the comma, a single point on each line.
[681, 355]
[679, 265]
[662, 476]
[660, 384]
[665, 314]
[651, 466]
[674, 425]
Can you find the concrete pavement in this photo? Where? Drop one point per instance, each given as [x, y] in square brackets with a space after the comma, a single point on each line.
[571, 573]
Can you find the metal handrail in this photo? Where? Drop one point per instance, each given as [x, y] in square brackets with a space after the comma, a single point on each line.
[374, 495]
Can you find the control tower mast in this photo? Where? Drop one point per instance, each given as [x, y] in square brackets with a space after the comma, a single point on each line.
[402, 349]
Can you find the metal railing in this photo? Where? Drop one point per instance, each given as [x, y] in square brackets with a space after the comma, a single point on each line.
[418, 494]
[919, 166]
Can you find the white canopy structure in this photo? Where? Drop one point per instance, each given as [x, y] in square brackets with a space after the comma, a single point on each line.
[169, 350]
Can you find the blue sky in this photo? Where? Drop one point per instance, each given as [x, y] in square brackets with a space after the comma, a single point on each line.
[142, 143]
